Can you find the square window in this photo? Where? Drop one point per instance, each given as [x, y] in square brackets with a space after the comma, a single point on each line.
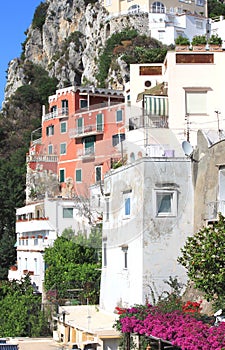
[67, 213]
[78, 175]
[63, 127]
[196, 102]
[83, 103]
[117, 139]
[119, 116]
[166, 203]
[63, 148]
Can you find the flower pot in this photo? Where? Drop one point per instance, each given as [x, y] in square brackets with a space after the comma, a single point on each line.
[199, 48]
[214, 47]
[182, 48]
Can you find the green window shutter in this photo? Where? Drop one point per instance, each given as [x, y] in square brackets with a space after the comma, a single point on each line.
[80, 125]
[78, 175]
[119, 116]
[63, 127]
[99, 121]
[61, 175]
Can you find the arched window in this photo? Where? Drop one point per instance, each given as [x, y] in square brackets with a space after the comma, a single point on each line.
[158, 7]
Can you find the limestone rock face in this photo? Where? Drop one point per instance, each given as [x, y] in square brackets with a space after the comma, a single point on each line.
[69, 42]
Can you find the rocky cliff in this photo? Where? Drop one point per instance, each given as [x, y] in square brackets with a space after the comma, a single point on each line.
[66, 38]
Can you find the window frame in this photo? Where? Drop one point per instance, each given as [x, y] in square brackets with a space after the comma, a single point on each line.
[190, 99]
[50, 149]
[50, 130]
[118, 112]
[76, 175]
[67, 210]
[173, 202]
[63, 125]
[63, 151]
[62, 175]
[97, 175]
[127, 204]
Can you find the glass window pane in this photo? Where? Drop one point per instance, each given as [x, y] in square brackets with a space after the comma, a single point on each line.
[164, 202]
[99, 121]
[61, 175]
[63, 127]
[127, 206]
[67, 213]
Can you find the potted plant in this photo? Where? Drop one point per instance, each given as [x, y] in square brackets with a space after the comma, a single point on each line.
[215, 43]
[182, 43]
[199, 42]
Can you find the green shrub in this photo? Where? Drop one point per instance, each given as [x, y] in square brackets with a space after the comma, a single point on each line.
[181, 40]
[215, 40]
[199, 40]
[40, 16]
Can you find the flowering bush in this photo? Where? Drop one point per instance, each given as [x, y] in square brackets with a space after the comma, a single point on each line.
[192, 307]
[178, 327]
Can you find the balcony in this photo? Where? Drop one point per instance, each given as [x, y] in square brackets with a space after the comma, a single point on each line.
[86, 153]
[214, 208]
[42, 158]
[87, 130]
[59, 113]
[149, 121]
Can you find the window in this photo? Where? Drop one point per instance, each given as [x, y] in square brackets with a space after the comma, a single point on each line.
[108, 2]
[199, 2]
[78, 175]
[196, 102]
[65, 107]
[83, 103]
[63, 148]
[50, 130]
[35, 266]
[125, 249]
[50, 149]
[134, 9]
[166, 203]
[99, 122]
[118, 138]
[104, 254]
[127, 206]
[161, 34]
[107, 209]
[199, 24]
[89, 145]
[63, 127]
[67, 213]
[119, 116]
[54, 111]
[80, 125]
[61, 175]
[98, 173]
[158, 7]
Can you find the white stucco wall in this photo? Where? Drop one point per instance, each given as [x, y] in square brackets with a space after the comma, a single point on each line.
[152, 243]
[183, 76]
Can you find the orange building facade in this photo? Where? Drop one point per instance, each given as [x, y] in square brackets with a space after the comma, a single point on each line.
[80, 137]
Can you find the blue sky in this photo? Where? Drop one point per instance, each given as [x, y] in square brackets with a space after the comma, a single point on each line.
[15, 18]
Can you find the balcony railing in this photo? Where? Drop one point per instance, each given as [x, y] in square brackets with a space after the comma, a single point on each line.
[149, 121]
[42, 158]
[86, 153]
[87, 130]
[214, 208]
[59, 113]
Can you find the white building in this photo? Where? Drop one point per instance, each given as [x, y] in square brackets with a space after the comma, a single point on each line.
[194, 91]
[148, 217]
[37, 227]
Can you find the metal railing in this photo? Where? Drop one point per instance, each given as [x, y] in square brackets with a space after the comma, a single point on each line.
[87, 130]
[214, 208]
[60, 112]
[87, 152]
[42, 158]
[149, 121]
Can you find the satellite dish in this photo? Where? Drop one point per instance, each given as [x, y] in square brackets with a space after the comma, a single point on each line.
[187, 148]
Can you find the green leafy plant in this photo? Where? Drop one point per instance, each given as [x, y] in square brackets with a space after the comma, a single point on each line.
[181, 40]
[215, 40]
[203, 257]
[199, 40]
[40, 16]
